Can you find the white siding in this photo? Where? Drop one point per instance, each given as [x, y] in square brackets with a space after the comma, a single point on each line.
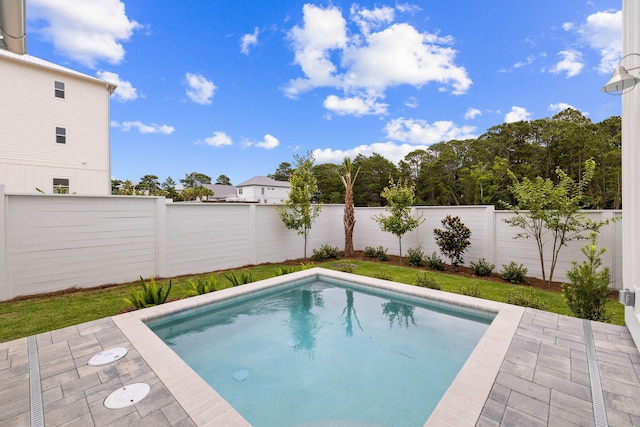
[29, 156]
[630, 170]
[271, 196]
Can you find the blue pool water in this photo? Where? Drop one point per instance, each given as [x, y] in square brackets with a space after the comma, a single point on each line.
[325, 353]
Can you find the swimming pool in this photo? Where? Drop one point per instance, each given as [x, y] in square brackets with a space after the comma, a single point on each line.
[321, 351]
[462, 403]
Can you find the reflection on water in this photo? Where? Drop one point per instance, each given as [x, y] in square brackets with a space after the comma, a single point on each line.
[322, 352]
[402, 313]
[302, 320]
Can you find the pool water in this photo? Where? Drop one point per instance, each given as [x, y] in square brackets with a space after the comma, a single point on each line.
[325, 353]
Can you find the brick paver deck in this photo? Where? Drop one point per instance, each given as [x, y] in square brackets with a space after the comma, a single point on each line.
[543, 380]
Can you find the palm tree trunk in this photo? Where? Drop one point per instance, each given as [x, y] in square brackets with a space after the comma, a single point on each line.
[349, 220]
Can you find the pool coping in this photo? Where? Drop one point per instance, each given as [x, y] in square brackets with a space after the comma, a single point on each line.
[462, 404]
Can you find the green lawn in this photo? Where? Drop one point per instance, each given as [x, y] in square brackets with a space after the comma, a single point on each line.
[21, 318]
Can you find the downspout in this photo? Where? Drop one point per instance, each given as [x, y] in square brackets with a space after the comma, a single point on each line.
[13, 25]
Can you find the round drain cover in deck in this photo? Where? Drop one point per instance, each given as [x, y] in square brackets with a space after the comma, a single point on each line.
[127, 396]
[107, 356]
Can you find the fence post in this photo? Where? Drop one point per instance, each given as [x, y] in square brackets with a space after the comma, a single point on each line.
[5, 285]
[490, 234]
[161, 236]
[251, 234]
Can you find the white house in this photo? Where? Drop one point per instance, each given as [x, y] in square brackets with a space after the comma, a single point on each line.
[262, 189]
[54, 127]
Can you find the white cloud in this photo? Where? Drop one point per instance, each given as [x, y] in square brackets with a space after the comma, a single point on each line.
[560, 106]
[143, 128]
[200, 89]
[372, 61]
[124, 92]
[524, 63]
[87, 31]
[219, 139]
[411, 102]
[249, 40]
[472, 113]
[354, 105]
[323, 30]
[602, 31]
[389, 150]
[268, 143]
[421, 132]
[571, 63]
[368, 19]
[517, 114]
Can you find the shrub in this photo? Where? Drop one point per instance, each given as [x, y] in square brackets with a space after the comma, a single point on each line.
[426, 280]
[202, 285]
[150, 295]
[370, 252]
[472, 291]
[281, 271]
[525, 299]
[325, 252]
[384, 275]
[513, 272]
[379, 252]
[345, 267]
[589, 290]
[307, 265]
[242, 280]
[434, 262]
[482, 267]
[415, 256]
[453, 240]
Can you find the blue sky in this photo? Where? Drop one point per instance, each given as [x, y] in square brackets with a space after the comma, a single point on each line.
[237, 87]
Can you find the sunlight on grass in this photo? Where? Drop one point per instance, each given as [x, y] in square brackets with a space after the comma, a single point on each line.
[21, 318]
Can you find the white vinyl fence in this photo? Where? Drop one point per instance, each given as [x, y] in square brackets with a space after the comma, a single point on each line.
[55, 242]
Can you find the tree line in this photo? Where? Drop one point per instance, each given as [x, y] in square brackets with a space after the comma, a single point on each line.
[476, 171]
[459, 172]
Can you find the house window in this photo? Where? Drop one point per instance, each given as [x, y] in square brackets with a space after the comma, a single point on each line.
[262, 189]
[61, 135]
[60, 186]
[59, 89]
[239, 190]
[265, 200]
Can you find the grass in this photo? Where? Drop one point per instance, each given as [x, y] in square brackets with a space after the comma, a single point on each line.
[24, 317]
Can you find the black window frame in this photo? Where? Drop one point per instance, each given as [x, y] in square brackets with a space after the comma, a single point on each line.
[59, 89]
[61, 135]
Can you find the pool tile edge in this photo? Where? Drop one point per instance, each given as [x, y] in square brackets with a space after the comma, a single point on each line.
[201, 402]
[463, 402]
[460, 406]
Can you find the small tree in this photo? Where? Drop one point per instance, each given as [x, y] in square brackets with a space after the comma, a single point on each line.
[400, 197]
[543, 208]
[589, 291]
[223, 180]
[453, 240]
[299, 211]
[348, 179]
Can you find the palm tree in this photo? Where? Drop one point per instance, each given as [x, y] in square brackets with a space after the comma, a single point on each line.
[349, 218]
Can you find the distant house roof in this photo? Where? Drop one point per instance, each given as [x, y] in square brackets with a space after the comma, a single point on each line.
[41, 63]
[264, 181]
[221, 191]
